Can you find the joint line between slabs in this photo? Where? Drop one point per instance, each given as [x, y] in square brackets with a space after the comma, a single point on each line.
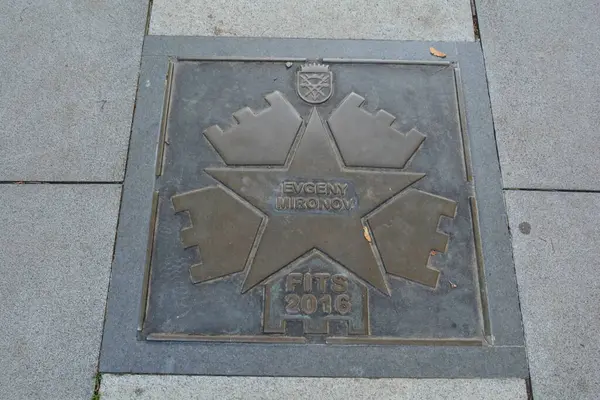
[597, 191]
[61, 182]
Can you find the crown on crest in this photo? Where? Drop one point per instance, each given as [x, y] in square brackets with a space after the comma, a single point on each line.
[314, 68]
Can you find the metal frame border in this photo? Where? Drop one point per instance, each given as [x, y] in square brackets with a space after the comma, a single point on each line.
[122, 352]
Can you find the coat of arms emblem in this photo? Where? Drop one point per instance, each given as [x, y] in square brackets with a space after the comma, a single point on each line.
[314, 83]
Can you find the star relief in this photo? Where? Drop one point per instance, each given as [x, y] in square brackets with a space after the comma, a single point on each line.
[286, 236]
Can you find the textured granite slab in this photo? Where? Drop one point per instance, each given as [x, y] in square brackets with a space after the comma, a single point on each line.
[244, 232]
[555, 241]
[409, 20]
[57, 244]
[154, 387]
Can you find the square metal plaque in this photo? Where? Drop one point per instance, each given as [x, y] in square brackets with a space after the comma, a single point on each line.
[312, 208]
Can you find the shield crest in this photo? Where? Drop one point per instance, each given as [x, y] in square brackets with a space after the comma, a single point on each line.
[314, 83]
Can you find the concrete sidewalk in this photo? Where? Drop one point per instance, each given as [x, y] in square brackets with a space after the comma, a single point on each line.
[67, 82]
[68, 75]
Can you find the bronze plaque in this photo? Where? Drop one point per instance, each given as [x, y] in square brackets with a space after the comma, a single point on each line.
[320, 202]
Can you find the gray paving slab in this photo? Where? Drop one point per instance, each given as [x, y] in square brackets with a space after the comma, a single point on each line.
[542, 66]
[68, 74]
[555, 239]
[406, 20]
[160, 387]
[123, 351]
[57, 243]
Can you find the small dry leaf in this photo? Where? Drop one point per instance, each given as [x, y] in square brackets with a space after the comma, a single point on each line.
[437, 53]
[366, 234]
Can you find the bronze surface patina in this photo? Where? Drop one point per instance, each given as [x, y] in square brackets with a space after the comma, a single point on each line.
[306, 191]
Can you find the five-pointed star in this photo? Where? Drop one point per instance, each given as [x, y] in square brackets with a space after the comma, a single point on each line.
[289, 235]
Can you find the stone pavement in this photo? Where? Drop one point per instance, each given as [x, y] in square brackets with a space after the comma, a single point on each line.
[543, 79]
[555, 241]
[68, 74]
[410, 20]
[57, 243]
[159, 387]
[67, 81]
